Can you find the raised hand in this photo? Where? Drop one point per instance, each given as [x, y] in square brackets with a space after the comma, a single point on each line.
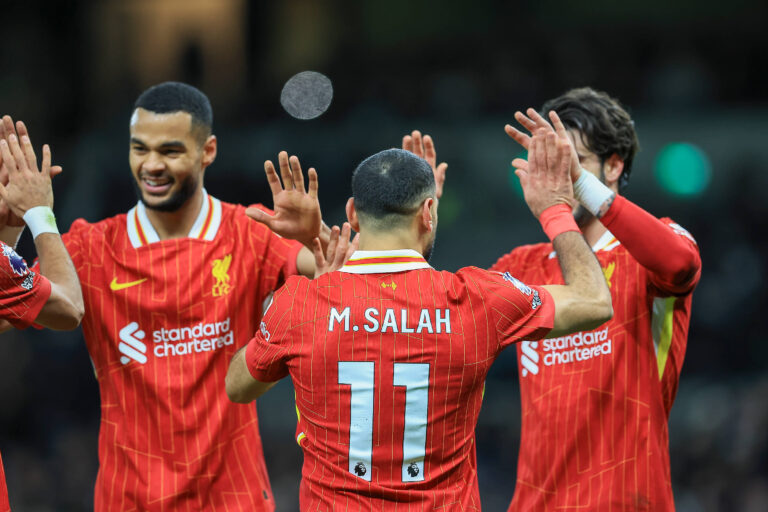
[27, 186]
[340, 249]
[546, 181]
[297, 212]
[533, 122]
[425, 148]
[8, 128]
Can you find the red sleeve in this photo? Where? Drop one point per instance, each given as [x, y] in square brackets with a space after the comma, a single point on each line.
[520, 312]
[666, 250]
[266, 355]
[24, 292]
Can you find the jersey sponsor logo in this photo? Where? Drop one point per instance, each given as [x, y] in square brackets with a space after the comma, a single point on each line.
[16, 262]
[203, 337]
[524, 288]
[608, 272]
[432, 321]
[220, 272]
[529, 358]
[131, 345]
[581, 346]
[115, 286]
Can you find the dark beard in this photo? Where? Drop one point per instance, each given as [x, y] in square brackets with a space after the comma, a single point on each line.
[176, 201]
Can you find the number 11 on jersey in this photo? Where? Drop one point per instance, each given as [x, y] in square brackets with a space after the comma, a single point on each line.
[360, 376]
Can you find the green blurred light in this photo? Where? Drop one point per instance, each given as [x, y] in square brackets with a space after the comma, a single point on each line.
[683, 169]
[514, 181]
[449, 209]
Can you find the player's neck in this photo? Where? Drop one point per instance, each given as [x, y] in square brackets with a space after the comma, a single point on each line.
[592, 230]
[176, 224]
[390, 241]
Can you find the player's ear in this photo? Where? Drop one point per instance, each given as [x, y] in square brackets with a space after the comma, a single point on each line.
[352, 214]
[613, 167]
[428, 214]
[210, 147]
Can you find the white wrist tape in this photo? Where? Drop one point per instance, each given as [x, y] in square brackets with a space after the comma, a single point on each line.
[591, 192]
[40, 220]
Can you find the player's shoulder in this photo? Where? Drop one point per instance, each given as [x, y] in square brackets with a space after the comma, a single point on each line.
[522, 253]
[82, 228]
[233, 217]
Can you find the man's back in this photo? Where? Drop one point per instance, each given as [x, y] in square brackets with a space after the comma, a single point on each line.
[163, 318]
[388, 358]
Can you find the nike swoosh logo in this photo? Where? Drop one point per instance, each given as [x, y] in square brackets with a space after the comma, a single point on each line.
[115, 286]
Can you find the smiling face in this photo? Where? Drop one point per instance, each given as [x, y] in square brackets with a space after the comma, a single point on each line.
[168, 158]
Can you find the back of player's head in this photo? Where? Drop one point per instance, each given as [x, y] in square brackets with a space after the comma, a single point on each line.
[605, 125]
[389, 187]
[169, 97]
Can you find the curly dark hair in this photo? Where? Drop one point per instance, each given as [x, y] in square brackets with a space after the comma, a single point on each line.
[605, 125]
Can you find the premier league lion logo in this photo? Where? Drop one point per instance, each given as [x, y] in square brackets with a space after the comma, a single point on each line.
[360, 469]
[15, 261]
[413, 470]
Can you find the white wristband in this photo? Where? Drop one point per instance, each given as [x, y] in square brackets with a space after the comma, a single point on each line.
[40, 220]
[591, 192]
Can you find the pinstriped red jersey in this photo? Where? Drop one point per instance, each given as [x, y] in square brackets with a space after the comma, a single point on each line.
[23, 293]
[595, 405]
[388, 358]
[4, 505]
[163, 319]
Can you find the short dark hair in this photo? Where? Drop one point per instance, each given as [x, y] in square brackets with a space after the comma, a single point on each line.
[605, 125]
[169, 97]
[389, 186]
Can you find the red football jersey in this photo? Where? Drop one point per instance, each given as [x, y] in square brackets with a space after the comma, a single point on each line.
[162, 321]
[22, 296]
[595, 404]
[388, 358]
[4, 504]
[23, 293]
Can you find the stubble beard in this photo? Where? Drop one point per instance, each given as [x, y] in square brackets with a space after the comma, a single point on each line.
[179, 198]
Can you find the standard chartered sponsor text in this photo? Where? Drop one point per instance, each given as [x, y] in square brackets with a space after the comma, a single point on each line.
[203, 337]
[580, 346]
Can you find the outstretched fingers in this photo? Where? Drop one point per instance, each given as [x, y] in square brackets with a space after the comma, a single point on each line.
[418, 145]
[518, 136]
[29, 153]
[313, 183]
[340, 256]
[285, 170]
[260, 216]
[296, 174]
[272, 179]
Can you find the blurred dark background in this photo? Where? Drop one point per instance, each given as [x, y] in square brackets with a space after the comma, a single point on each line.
[692, 74]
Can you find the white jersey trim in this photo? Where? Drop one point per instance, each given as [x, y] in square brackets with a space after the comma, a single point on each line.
[402, 261]
[205, 227]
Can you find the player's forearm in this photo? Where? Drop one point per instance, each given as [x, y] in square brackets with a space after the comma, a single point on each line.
[240, 385]
[65, 307]
[652, 243]
[585, 301]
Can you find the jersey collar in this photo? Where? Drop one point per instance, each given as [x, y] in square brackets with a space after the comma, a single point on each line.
[384, 262]
[141, 232]
[606, 242]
